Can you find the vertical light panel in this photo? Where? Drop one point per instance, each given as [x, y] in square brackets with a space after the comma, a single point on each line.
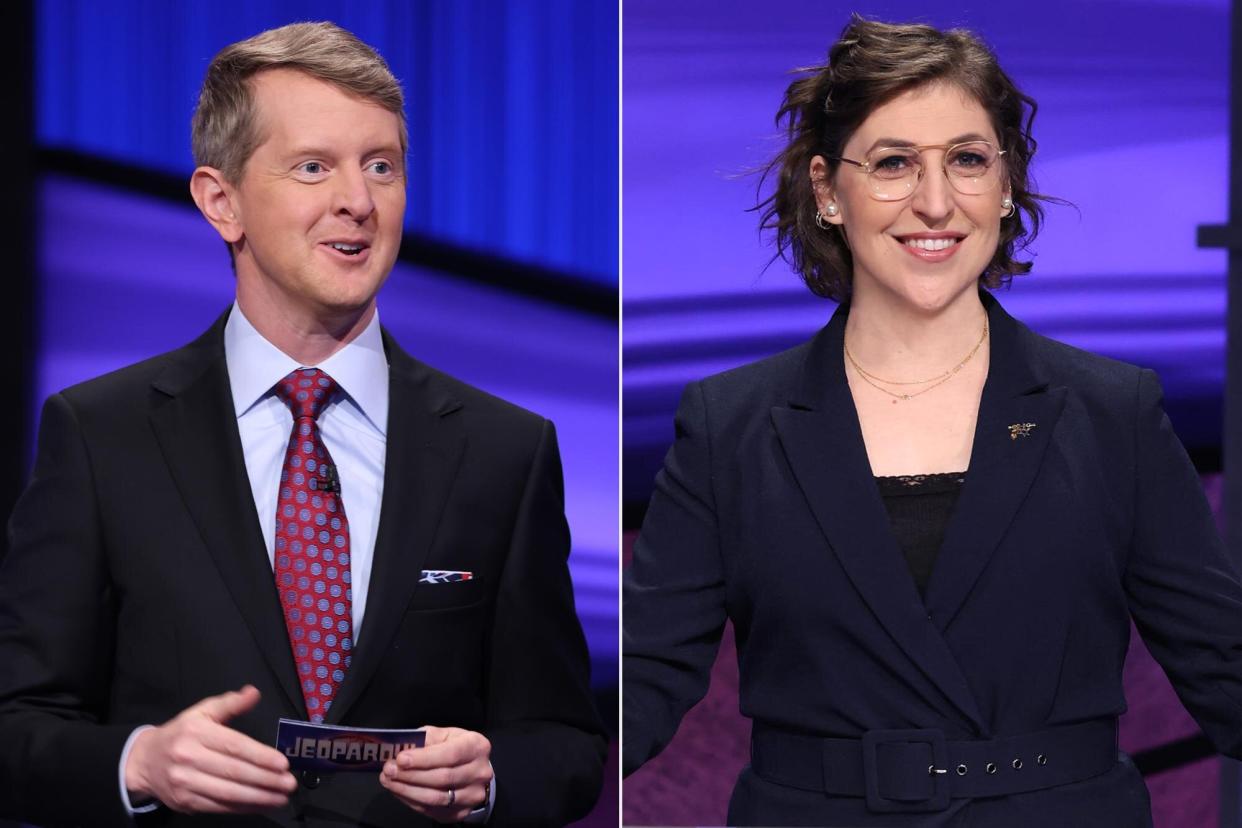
[512, 106]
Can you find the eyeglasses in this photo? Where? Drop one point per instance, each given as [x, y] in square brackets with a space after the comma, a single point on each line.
[893, 172]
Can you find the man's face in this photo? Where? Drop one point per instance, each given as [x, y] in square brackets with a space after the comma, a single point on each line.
[328, 175]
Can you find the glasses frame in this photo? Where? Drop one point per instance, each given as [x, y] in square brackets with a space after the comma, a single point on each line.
[866, 167]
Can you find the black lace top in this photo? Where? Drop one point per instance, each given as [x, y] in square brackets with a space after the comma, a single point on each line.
[918, 508]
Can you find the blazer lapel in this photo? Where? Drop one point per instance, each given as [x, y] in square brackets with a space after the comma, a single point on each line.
[822, 440]
[197, 430]
[425, 443]
[1017, 416]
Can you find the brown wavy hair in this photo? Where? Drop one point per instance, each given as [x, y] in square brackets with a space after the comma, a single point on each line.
[869, 65]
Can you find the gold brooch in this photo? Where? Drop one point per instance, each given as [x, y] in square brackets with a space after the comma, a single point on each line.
[1020, 430]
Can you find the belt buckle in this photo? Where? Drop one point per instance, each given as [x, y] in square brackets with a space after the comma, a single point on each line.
[937, 771]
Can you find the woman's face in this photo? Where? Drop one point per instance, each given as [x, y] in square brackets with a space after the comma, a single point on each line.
[880, 233]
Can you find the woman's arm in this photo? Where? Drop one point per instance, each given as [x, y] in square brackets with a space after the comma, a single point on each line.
[674, 592]
[1184, 589]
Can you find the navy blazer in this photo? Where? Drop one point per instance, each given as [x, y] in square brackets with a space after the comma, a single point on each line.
[766, 514]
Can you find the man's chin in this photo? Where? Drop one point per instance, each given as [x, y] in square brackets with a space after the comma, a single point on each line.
[345, 293]
[346, 309]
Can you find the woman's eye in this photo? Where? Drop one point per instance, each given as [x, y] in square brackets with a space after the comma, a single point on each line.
[892, 163]
[897, 165]
[969, 160]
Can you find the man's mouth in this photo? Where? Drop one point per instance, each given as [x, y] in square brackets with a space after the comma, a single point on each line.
[354, 252]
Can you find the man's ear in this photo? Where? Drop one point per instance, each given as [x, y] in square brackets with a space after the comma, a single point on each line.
[825, 198]
[216, 200]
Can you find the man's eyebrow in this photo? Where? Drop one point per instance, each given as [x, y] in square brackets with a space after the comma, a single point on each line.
[312, 150]
[901, 142]
[306, 150]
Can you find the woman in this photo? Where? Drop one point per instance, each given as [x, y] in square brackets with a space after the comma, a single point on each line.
[929, 525]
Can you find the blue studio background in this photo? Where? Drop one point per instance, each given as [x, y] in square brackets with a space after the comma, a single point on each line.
[512, 106]
[512, 109]
[513, 117]
[507, 276]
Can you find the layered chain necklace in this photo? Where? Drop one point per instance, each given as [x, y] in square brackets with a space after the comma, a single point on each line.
[936, 381]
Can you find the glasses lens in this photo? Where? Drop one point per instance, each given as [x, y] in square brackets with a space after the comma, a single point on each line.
[894, 170]
[972, 167]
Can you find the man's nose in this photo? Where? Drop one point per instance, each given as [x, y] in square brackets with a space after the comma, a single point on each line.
[353, 195]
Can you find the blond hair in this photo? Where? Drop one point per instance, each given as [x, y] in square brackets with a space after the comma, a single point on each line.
[224, 128]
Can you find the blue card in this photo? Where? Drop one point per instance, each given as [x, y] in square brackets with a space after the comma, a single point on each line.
[334, 748]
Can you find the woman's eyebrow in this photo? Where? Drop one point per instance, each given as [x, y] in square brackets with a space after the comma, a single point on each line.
[901, 142]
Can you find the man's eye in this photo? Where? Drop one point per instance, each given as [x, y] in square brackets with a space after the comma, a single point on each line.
[312, 167]
[382, 167]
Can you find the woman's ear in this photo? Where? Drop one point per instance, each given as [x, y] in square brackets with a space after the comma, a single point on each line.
[828, 209]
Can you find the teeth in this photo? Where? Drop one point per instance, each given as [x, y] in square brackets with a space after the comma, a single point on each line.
[932, 244]
[347, 248]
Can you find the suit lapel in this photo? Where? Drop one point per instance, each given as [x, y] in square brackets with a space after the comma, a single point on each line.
[822, 440]
[197, 432]
[425, 443]
[1017, 416]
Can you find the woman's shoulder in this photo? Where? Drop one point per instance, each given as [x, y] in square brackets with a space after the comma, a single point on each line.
[767, 380]
[1084, 372]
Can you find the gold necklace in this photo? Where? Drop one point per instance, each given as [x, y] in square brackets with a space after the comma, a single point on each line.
[938, 380]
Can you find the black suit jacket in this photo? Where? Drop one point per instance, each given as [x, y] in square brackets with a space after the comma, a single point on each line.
[137, 583]
[766, 512]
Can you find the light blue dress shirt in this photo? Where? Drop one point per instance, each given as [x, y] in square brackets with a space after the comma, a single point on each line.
[354, 429]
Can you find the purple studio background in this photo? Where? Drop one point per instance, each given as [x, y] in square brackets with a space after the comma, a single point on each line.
[125, 276]
[1132, 128]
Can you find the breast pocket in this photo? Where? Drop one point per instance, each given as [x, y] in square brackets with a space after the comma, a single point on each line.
[448, 594]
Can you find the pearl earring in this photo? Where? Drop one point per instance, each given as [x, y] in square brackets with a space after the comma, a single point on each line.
[831, 209]
[1007, 204]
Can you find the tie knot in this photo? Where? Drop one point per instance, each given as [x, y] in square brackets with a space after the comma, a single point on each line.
[306, 391]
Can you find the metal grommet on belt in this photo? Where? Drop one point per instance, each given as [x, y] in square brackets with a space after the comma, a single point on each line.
[886, 767]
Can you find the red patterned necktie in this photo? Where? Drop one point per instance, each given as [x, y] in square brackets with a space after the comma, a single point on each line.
[312, 546]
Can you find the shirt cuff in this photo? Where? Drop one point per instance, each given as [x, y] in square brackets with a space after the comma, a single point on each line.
[483, 813]
[129, 807]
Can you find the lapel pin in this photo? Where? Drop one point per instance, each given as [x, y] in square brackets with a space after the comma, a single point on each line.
[1020, 430]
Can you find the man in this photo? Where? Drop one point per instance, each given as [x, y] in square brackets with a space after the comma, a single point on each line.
[290, 517]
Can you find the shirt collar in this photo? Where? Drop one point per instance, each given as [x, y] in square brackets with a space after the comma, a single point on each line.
[256, 365]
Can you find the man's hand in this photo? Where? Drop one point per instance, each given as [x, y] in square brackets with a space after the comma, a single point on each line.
[194, 764]
[444, 780]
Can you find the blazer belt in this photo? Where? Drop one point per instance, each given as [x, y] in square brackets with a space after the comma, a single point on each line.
[921, 771]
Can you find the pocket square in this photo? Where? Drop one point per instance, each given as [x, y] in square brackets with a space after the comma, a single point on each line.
[444, 576]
